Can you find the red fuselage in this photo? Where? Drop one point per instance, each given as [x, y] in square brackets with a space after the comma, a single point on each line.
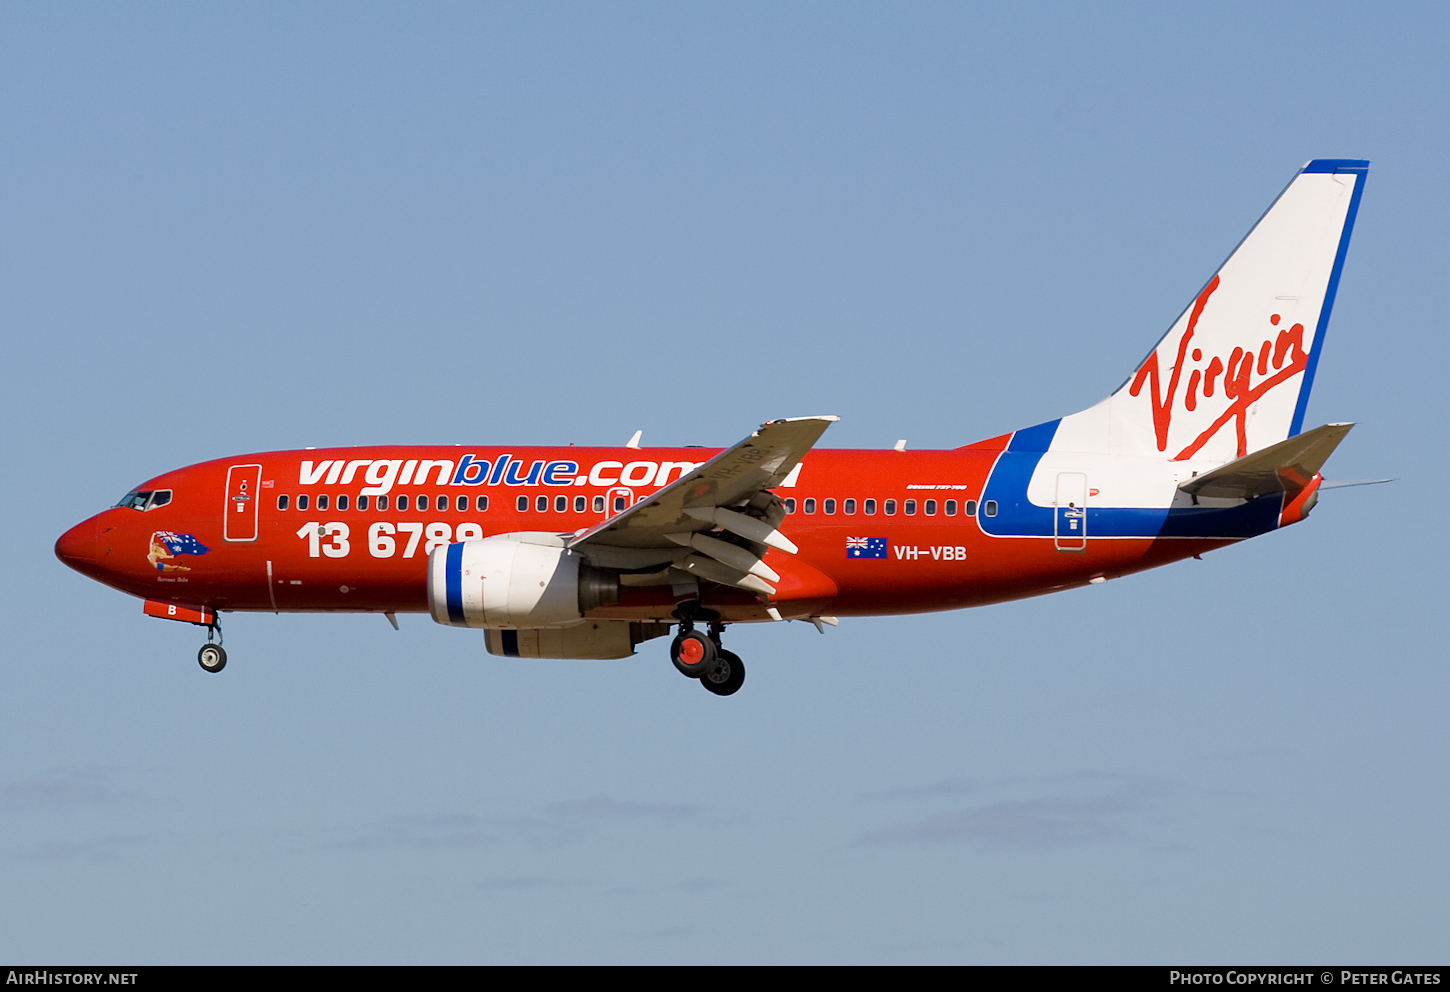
[298, 531]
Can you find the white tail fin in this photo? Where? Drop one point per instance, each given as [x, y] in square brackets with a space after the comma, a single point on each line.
[1233, 373]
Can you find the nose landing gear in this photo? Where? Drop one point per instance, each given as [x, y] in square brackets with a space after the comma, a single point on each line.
[700, 656]
[212, 657]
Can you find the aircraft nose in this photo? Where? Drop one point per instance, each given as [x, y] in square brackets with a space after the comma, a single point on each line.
[77, 546]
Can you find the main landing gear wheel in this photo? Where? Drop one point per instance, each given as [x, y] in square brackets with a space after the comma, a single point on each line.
[726, 675]
[212, 657]
[692, 652]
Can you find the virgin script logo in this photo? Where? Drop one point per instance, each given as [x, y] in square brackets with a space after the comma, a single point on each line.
[1280, 358]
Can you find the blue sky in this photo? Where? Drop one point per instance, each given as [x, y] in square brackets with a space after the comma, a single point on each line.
[236, 228]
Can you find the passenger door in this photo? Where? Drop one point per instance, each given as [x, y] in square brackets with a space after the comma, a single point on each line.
[243, 496]
[1070, 512]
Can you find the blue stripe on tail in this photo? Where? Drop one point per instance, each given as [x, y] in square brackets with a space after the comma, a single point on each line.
[1360, 170]
[1018, 517]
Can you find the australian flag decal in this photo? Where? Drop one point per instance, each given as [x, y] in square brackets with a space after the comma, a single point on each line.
[166, 545]
[866, 547]
[182, 544]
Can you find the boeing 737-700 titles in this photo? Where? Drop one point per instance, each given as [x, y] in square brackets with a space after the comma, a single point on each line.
[586, 552]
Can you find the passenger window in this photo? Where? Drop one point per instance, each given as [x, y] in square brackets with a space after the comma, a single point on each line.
[422, 501]
[362, 502]
[282, 502]
[849, 507]
[810, 506]
[990, 508]
[890, 507]
[541, 504]
[322, 502]
[481, 503]
[159, 498]
[870, 506]
[382, 503]
[598, 504]
[441, 503]
[462, 504]
[523, 504]
[830, 506]
[342, 502]
[951, 508]
[910, 508]
[970, 509]
[790, 506]
[618, 504]
[302, 502]
[561, 503]
[930, 508]
[579, 504]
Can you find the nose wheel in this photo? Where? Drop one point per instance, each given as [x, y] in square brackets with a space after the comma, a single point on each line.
[212, 657]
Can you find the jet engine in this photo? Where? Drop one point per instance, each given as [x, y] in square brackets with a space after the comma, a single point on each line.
[515, 580]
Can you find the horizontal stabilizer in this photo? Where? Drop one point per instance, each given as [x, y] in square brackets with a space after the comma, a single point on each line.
[1284, 467]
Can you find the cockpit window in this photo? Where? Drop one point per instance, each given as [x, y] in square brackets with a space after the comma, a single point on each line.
[147, 500]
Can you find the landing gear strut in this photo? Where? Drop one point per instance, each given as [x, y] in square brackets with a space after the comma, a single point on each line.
[212, 657]
[699, 656]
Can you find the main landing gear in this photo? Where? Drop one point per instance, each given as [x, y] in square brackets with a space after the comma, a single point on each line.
[699, 656]
[212, 657]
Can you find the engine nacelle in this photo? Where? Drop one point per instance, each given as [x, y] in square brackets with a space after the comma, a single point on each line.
[514, 580]
[588, 639]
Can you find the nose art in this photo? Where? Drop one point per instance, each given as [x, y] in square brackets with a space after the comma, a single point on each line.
[77, 546]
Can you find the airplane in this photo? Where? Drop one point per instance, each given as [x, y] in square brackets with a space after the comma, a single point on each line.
[584, 553]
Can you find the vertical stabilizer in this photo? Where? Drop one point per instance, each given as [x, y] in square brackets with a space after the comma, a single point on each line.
[1233, 373]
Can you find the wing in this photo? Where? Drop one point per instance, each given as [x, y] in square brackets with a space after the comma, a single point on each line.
[729, 492]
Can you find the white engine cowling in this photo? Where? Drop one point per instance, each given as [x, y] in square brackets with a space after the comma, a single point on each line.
[514, 580]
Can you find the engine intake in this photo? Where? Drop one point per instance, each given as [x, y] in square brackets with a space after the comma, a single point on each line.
[514, 580]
